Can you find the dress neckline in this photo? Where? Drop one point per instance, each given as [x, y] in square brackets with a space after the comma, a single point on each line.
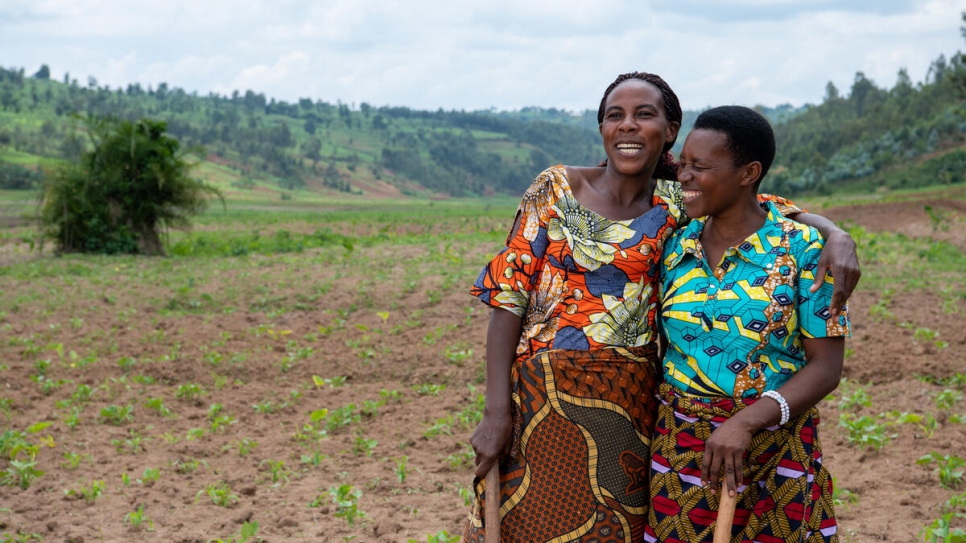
[656, 201]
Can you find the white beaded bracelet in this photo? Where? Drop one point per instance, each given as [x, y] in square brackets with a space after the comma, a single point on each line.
[782, 405]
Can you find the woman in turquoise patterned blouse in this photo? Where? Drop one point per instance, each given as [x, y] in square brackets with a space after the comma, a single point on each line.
[751, 350]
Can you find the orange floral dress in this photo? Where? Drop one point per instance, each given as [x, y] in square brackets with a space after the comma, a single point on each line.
[586, 366]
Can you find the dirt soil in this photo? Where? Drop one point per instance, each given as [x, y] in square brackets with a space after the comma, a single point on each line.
[405, 335]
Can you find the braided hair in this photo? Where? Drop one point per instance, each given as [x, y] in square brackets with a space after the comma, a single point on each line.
[667, 168]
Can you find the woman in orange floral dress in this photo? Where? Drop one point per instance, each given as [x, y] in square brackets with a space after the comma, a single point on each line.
[571, 355]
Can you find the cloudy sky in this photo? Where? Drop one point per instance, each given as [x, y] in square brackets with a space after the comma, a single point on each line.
[479, 54]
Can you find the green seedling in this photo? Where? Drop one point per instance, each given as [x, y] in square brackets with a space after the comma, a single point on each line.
[142, 380]
[947, 399]
[126, 363]
[427, 389]
[87, 492]
[6, 406]
[133, 444]
[266, 407]
[280, 475]
[314, 459]
[462, 459]
[189, 392]
[185, 467]
[957, 380]
[40, 368]
[880, 310]
[402, 468]
[371, 407]
[955, 502]
[362, 445]
[334, 382]
[150, 476]
[842, 496]
[82, 394]
[221, 422]
[927, 335]
[853, 396]
[247, 534]
[387, 396]
[949, 467]
[244, 446]
[72, 418]
[441, 536]
[346, 499]
[941, 530]
[220, 494]
[73, 460]
[48, 386]
[117, 415]
[865, 431]
[214, 358]
[458, 354]
[442, 426]
[19, 537]
[927, 423]
[157, 405]
[465, 494]
[195, 433]
[138, 521]
[342, 417]
[219, 381]
[21, 473]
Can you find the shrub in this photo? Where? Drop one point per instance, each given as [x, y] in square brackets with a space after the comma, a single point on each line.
[123, 193]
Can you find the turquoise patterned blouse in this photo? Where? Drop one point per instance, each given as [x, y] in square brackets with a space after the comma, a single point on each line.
[737, 330]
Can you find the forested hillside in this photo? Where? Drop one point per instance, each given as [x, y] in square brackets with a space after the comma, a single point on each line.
[907, 136]
[312, 144]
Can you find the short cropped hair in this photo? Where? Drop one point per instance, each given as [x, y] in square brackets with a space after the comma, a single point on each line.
[750, 136]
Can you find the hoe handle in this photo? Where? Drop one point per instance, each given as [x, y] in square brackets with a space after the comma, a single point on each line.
[492, 512]
[726, 515]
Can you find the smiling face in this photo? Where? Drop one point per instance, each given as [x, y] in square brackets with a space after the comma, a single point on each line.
[635, 127]
[710, 181]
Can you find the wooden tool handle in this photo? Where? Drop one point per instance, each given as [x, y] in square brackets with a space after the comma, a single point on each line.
[492, 513]
[726, 515]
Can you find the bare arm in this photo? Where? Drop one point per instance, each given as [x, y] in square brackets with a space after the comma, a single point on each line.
[839, 255]
[803, 391]
[492, 437]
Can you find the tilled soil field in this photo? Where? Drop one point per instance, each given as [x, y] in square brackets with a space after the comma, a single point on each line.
[329, 394]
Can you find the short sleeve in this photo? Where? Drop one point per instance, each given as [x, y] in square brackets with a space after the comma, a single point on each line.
[785, 206]
[507, 280]
[814, 318]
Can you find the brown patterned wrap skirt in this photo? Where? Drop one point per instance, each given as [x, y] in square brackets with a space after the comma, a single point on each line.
[786, 493]
[580, 461]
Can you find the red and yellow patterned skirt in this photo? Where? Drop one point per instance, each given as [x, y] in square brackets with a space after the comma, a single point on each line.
[580, 462]
[786, 493]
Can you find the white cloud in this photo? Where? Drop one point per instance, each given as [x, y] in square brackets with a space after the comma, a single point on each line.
[480, 53]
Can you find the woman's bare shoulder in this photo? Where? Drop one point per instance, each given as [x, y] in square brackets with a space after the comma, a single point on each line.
[581, 176]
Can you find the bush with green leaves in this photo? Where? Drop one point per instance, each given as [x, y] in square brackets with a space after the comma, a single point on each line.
[124, 193]
[15, 177]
